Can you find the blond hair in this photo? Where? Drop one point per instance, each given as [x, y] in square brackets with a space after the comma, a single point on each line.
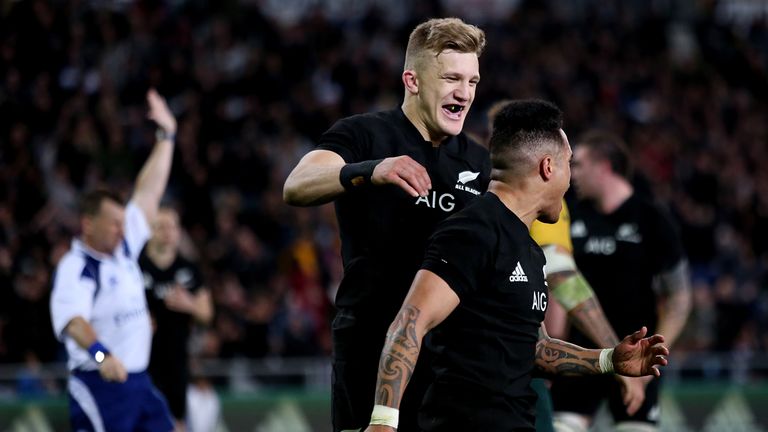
[440, 34]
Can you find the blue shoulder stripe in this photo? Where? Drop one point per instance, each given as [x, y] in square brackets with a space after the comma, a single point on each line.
[126, 250]
[91, 271]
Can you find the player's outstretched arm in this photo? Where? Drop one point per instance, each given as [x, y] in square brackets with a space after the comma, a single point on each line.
[315, 180]
[428, 303]
[573, 292]
[153, 177]
[322, 175]
[636, 355]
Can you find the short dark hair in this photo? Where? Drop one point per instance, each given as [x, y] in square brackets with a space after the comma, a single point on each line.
[521, 128]
[432, 37]
[610, 147]
[90, 204]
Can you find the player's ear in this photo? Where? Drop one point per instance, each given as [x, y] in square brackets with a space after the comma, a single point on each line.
[86, 224]
[410, 81]
[546, 166]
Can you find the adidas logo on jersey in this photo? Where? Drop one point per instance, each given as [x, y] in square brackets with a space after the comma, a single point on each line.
[518, 275]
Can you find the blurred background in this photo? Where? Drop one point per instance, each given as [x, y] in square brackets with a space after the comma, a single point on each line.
[255, 82]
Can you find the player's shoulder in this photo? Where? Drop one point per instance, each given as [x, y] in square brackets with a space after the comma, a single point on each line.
[71, 261]
[648, 207]
[480, 212]
[484, 217]
[71, 266]
[373, 120]
[184, 262]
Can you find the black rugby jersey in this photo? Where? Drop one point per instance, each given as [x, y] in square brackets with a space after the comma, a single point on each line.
[485, 349]
[619, 254]
[383, 229]
[169, 342]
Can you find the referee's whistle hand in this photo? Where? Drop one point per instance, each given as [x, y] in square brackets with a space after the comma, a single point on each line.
[404, 172]
[112, 369]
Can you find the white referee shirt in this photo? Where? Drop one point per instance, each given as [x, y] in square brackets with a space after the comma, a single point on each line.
[108, 292]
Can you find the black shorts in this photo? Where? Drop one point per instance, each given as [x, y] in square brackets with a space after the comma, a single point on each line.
[449, 407]
[357, 345]
[172, 383]
[583, 395]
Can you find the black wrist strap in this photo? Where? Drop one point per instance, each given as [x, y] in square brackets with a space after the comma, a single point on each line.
[356, 175]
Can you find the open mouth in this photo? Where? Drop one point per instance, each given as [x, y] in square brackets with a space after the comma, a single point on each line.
[453, 111]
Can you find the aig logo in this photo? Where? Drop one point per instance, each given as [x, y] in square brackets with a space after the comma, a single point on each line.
[539, 301]
[600, 246]
[445, 202]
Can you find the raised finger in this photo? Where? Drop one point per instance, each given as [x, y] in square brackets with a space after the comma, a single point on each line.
[636, 336]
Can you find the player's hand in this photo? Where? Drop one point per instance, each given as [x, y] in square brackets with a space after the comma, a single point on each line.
[638, 355]
[380, 428]
[112, 369]
[632, 392]
[160, 113]
[180, 300]
[404, 172]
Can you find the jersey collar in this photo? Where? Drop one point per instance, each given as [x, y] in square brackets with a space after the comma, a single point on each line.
[450, 144]
[79, 246]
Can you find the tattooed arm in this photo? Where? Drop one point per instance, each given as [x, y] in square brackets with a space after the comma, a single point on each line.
[556, 357]
[573, 291]
[636, 355]
[428, 303]
[584, 310]
[674, 289]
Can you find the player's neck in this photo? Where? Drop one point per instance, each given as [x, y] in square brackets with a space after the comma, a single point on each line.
[161, 257]
[413, 115]
[614, 195]
[517, 200]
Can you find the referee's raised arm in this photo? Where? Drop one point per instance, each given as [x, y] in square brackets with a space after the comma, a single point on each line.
[153, 177]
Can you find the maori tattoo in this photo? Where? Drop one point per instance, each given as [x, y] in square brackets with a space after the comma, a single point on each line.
[398, 358]
[556, 357]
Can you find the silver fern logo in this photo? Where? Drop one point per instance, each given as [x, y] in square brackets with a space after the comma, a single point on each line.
[464, 177]
[467, 176]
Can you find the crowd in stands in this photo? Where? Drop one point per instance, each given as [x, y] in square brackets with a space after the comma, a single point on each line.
[253, 89]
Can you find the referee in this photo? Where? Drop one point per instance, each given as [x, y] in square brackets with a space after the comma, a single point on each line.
[394, 175]
[98, 307]
[482, 291]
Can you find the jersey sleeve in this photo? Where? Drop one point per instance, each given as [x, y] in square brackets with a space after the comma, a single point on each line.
[137, 231]
[459, 252]
[74, 287]
[348, 139]
[558, 233]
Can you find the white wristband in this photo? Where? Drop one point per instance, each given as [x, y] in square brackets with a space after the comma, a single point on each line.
[606, 360]
[384, 415]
